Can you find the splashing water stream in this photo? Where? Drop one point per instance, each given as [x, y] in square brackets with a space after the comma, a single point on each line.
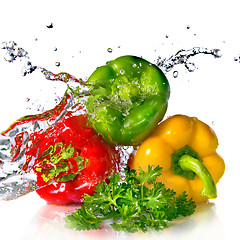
[16, 182]
[183, 57]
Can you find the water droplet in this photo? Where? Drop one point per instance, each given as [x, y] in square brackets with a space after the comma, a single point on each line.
[50, 25]
[122, 71]
[109, 50]
[10, 57]
[57, 64]
[237, 59]
[190, 67]
[216, 53]
[175, 74]
[188, 27]
[55, 49]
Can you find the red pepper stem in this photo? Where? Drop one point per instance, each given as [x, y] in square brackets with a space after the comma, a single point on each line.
[189, 163]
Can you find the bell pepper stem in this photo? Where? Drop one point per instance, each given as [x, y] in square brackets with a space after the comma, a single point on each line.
[189, 163]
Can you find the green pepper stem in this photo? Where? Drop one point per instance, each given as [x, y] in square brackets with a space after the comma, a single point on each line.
[189, 163]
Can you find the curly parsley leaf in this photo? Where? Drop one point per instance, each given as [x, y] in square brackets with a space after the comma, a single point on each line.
[137, 204]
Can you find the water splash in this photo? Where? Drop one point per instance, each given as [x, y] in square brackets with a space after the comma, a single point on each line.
[14, 181]
[183, 57]
[14, 53]
[14, 142]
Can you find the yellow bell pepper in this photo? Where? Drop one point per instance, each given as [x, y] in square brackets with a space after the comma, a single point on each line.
[185, 148]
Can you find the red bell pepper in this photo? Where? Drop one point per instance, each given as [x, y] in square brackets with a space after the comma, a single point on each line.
[99, 160]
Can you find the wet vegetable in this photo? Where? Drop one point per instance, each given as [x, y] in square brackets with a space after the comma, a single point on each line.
[91, 161]
[129, 97]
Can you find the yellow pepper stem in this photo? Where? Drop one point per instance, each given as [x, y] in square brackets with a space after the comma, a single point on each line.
[189, 163]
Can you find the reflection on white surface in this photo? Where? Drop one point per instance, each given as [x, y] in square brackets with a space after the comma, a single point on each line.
[48, 224]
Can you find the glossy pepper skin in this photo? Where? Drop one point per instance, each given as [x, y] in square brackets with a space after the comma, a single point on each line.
[185, 148]
[129, 97]
[101, 160]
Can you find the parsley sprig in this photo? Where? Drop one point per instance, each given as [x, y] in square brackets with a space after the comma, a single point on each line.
[138, 203]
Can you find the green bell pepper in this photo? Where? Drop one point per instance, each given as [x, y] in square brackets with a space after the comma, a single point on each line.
[128, 98]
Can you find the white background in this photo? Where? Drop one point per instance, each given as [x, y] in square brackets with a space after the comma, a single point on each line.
[82, 32]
